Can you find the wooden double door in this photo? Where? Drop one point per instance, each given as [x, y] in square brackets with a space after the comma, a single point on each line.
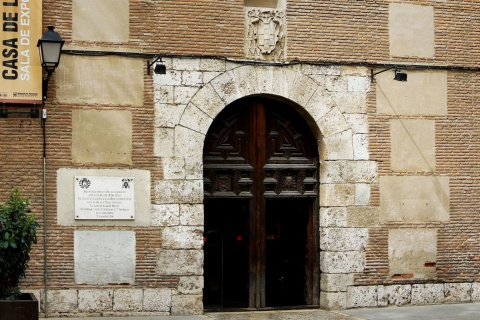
[261, 208]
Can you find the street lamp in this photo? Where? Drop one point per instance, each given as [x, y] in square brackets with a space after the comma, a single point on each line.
[50, 48]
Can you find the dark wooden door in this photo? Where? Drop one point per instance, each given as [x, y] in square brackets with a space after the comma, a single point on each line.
[261, 208]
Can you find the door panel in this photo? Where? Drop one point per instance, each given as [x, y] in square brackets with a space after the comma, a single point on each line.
[260, 156]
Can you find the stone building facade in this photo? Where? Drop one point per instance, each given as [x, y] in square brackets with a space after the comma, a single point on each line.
[395, 193]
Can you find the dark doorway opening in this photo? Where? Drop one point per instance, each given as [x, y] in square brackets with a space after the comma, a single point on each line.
[261, 187]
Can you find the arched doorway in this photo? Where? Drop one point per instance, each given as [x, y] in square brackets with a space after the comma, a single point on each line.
[261, 208]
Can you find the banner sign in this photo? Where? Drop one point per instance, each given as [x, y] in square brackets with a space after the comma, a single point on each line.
[20, 70]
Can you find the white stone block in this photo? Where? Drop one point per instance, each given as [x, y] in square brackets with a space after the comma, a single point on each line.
[164, 142]
[217, 65]
[127, 299]
[458, 292]
[319, 104]
[300, 88]
[180, 262]
[338, 146]
[157, 299]
[189, 143]
[310, 69]
[104, 257]
[362, 194]
[163, 94]
[362, 296]
[360, 147]
[95, 300]
[333, 171]
[173, 168]
[195, 119]
[362, 171]
[62, 300]
[179, 191]
[343, 239]
[182, 237]
[183, 95]
[333, 217]
[165, 215]
[227, 87]
[351, 102]
[209, 76]
[208, 100]
[358, 122]
[171, 78]
[332, 123]
[475, 291]
[358, 84]
[191, 215]
[168, 115]
[192, 78]
[336, 282]
[190, 285]
[333, 300]
[186, 64]
[427, 293]
[337, 195]
[336, 83]
[246, 77]
[397, 295]
[187, 305]
[342, 262]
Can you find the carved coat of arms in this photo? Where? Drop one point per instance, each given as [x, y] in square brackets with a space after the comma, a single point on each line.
[265, 34]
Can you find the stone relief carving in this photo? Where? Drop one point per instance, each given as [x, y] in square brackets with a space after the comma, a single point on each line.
[265, 34]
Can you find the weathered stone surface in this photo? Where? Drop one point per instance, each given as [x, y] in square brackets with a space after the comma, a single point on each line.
[165, 215]
[128, 299]
[191, 215]
[157, 299]
[168, 115]
[311, 69]
[362, 194]
[343, 239]
[186, 64]
[95, 300]
[336, 83]
[361, 171]
[164, 142]
[410, 250]
[333, 172]
[246, 78]
[332, 123]
[320, 104]
[187, 305]
[180, 262]
[337, 195]
[182, 237]
[338, 146]
[173, 168]
[182, 95]
[427, 293]
[342, 262]
[190, 285]
[358, 122]
[333, 217]
[350, 102]
[208, 100]
[227, 87]
[362, 296]
[179, 191]
[189, 143]
[397, 295]
[217, 65]
[336, 282]
[333, 300]
[360, 147]
[362, 216]
[192, 78]
[358, 83]
[300, 88]
[195, 119]
[476, 291]
[62, 300]
[104, 257]
[458, 292]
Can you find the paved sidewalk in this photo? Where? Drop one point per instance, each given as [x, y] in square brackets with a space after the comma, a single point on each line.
[463, 311]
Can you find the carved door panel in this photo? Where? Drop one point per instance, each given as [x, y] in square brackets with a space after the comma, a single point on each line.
[260, 154]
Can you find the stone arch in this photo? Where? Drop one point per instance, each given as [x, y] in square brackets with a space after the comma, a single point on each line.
[343, 156]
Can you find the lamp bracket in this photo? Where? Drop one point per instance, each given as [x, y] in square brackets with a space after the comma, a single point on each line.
[149, 65]
[372, 75]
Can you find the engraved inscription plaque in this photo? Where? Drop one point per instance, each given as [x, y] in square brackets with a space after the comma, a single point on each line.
[104, 198]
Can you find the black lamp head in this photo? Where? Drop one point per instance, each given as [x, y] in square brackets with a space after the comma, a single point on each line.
[400, 76]
[160, 69]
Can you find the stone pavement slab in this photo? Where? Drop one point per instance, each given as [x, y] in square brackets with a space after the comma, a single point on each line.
[462, 311]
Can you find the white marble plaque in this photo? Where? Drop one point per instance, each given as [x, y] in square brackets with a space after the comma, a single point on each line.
[104, 198]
